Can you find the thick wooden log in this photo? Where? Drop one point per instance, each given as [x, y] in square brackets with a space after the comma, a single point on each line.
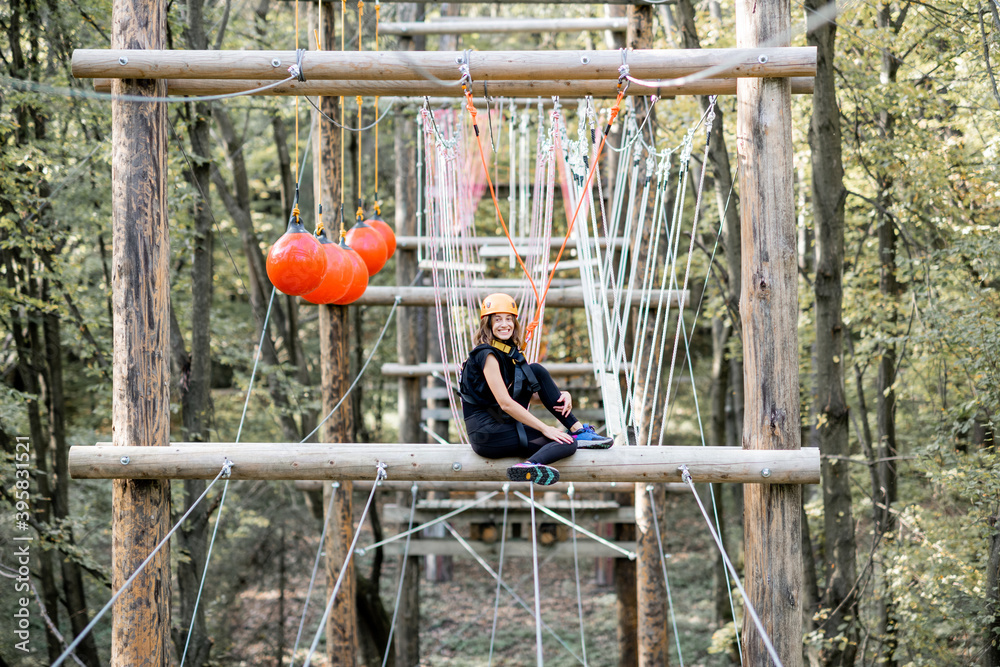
[494, 25]
[769, 314]
[423, 65]
[558, 487]
[568, 297]
[517, 512]
[350, 461]
[407, 91]
[140, 409]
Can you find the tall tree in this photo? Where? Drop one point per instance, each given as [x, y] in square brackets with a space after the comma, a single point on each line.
[830, 412]
[193, 368]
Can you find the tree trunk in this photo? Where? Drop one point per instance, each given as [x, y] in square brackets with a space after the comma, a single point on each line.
[991, 635]
[885, 494]
[72, 575]
[195, 381]
[830, 411]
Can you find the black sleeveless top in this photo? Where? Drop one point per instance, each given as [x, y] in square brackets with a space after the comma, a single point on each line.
[478, 401]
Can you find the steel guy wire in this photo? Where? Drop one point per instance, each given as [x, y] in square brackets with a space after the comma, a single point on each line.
[225, 471]
[517, 598]
[496, 599]
[537, 588]
[379, 475]
[204, 571]
[666, 579]
[432, 522]
[312, 577]
[631, 555]
[402, 573]
[686, 476]
[571, 492]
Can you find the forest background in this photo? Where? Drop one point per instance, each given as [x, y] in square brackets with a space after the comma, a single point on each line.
[897, 199]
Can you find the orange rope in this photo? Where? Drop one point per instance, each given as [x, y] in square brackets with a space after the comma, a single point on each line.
[530, 328]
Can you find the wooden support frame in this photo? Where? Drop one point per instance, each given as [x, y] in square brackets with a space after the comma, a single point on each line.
[769, 314]
[488, 25]
[558, 487]
[423, 65]
[351, 461]
[564, 297]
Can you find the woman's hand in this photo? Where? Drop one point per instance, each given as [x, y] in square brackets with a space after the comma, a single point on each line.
[565, 403]
[557, 435]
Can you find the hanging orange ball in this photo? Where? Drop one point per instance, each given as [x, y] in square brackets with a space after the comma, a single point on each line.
[359, 282]
[368, 243]
[296, 263]
[339, 274]
[383, 228]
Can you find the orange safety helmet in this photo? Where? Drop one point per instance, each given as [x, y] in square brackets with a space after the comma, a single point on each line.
[498, 303]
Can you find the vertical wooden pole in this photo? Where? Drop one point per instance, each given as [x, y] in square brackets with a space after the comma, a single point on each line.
[341, 629]
[769, 313]
[140, 296]
[407, 638]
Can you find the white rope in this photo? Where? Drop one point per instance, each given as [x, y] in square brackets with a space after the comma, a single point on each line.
[226, 471]
[517, 598]
[686, 476]
[312, 577]
[534, 569]
[204, 571]
[687, 270]
[496, 599]
[666, 579]
[432, 522]
[379, 475]
[402, 573]
[571, 492]
[631, 555]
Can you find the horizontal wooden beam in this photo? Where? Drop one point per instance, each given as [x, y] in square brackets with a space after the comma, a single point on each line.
[475, 487]
[350, 461]
[517, 512]
[444, 65]
[488, 25]
[414, 242]
[414, 90]
[565, 297]
[555, 369]
[446, 546]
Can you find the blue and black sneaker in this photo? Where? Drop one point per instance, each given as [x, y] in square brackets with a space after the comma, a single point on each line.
[533, 472]
[588, 438]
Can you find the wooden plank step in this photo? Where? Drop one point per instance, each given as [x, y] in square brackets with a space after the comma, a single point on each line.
[563, 297]
[519, 548]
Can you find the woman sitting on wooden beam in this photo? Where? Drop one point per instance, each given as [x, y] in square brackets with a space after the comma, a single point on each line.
[497, 385]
